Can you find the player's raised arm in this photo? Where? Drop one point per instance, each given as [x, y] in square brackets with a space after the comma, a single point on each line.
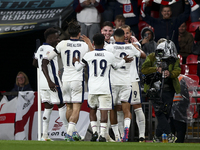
[88, 42]
[143, 55]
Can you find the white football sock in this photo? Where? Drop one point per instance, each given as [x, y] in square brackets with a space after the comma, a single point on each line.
[45, 124]
[71, 128]
[140, 119]
[94, 126]
[116, 131]
[62, 114]
[120, 119]
[127, 122]
[103, 129]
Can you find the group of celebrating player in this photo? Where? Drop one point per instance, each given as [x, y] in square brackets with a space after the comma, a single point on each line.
[113, 81]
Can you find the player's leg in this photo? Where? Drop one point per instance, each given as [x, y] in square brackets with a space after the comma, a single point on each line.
[103, 127]
[136, 103]
[114, 123]
[105, 104]
[113, 113]
[62, 109]
[69, 110]
[73, 121]
[45, 119]
[92, 102]
[67, 98]
[127, 120]
[45, 96]
[140, 120]
[125, 97]
[77, 98]
[120, 119]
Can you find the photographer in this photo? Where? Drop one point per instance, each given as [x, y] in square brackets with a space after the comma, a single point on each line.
[162, 70]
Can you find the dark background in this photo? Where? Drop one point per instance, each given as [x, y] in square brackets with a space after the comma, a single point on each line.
[17, 53]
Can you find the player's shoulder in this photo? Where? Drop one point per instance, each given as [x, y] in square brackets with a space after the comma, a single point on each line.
[108, 52]
[109, 47]
[61, 43]
[44, 48]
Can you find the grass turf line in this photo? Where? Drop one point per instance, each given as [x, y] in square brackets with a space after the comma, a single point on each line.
[37, 145]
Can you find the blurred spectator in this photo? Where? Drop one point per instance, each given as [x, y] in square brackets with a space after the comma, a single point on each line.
[108, 14]
[178, 119]
[89, 15]
[185, 42]
[148, 45]
[166, 26]
[177, 8]
[130, 10]
[195, 11]
[22, 84]
[119, 21]
[147, 42]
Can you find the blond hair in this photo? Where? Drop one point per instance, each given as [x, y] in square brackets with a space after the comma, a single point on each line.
[126, 26]
[25, 76]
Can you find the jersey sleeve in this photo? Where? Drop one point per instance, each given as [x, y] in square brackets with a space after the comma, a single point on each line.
[109, 48]
[58, 47]
[116, 65]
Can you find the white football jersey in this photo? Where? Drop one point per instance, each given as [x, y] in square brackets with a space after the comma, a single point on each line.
[134, 70]
[53, 69]
[112, 41]
[99, 62]
[122, 75]
[69, 49]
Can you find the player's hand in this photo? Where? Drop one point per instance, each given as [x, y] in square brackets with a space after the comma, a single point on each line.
[128, 59]
[52, 86]
[85, 39]
[75, 59]
[133, 39]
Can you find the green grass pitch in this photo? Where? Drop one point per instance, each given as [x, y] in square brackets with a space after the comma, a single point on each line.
[83, 145]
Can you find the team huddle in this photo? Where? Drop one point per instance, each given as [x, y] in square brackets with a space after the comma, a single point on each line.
[113, 81]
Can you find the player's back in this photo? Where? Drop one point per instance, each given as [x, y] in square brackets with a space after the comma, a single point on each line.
[69, 49]
[99, 62]
[121, 76]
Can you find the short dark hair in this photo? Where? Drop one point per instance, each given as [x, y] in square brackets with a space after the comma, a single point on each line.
[107, 23]
[74, 28]
[98, 39]
[164, 6]
[120, 17]
[50, 31]
[119, 33]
